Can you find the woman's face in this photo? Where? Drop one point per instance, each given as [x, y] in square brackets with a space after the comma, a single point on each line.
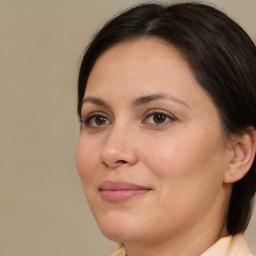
[151, 153]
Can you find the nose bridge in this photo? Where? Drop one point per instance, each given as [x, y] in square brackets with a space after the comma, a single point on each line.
[119, 147]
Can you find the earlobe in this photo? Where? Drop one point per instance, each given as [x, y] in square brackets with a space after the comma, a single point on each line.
[243, 154]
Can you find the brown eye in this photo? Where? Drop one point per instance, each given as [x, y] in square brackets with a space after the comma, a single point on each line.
[100, 120]
[95, 121]
[159, 118]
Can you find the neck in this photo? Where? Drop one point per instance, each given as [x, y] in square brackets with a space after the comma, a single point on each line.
[189, 243]
[194, 247]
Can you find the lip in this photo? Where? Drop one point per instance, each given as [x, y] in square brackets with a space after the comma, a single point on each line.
[121, 191]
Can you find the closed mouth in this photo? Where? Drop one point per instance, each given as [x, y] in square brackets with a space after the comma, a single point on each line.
[120, 191]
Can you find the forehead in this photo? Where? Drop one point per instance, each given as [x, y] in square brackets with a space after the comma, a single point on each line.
[149, 48]
[140, 62]
[140, 47]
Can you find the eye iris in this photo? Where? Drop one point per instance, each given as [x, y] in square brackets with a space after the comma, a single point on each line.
[100, 120]
[159, 118]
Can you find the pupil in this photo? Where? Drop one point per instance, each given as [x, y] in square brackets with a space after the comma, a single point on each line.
[100, 120]
[159, 118]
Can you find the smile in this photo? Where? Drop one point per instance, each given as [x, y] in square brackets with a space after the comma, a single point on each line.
[120, 191]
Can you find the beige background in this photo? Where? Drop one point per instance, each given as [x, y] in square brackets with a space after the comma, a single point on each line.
[42, 206]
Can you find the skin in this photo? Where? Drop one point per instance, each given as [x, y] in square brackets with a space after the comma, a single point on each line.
[183, 159]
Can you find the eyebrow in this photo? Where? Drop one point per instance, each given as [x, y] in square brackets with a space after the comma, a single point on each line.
[137, 102]
[146, 99]
[95, 101]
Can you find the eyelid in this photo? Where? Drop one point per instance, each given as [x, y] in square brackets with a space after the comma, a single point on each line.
[159, 111]
[88, 114]
[92, 115]
[91, 107]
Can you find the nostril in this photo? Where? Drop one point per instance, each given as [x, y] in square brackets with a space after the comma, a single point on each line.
[115, 164]
[121, 162]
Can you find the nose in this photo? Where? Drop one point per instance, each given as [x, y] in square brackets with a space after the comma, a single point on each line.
[119, 148]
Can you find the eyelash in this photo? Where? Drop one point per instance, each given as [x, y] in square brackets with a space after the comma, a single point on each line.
[88, 119]
[147, 115]
[152, 113]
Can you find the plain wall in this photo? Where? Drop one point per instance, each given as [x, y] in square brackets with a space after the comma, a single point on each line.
[43, 211]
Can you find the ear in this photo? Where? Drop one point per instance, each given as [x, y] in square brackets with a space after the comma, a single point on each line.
[242, 157]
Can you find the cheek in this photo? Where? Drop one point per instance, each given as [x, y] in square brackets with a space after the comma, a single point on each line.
[189, 172]
[86, 160]
[169, 156]
[186, 159]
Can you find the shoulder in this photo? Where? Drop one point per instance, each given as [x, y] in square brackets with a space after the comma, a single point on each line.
[229, 246]
[239, 246]
[226, 246]
[119, 252]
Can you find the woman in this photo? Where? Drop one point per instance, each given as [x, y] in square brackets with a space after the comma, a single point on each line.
[166, 155]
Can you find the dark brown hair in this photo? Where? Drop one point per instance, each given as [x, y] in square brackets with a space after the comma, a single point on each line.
[221, 56]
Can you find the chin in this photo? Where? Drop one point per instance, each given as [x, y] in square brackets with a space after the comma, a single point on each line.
[118, 234]
[118, 228]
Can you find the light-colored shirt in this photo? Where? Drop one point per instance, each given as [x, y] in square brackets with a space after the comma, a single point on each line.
[226, 246]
